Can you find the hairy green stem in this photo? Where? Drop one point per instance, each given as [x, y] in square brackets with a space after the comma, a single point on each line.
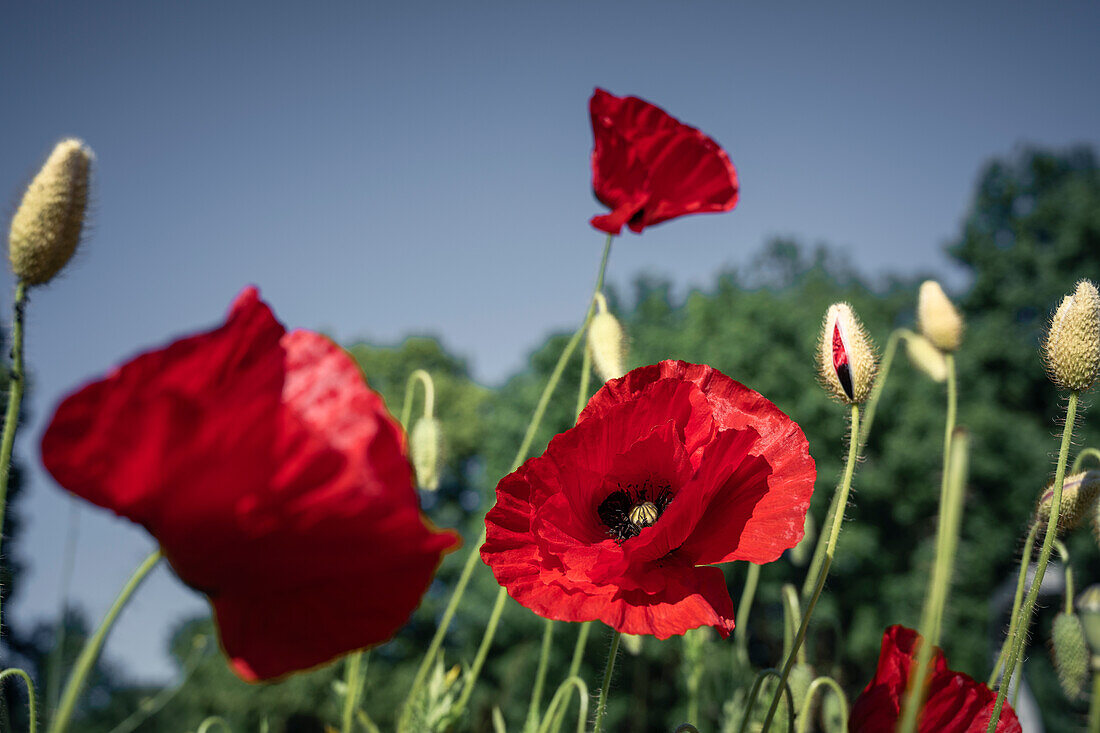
[744, 608]
[90, 653]
[830, 553]
[754, 691]
[807, 704]
[792, 619]
[1021, 582]
[601, 705]
[16, 383]
[32, 711]
[940, 581]
[1020, 637]
[1063, 553]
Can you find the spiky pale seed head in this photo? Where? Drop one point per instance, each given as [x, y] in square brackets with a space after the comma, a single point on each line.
[846, 356]
[1079, 493]
[1070, 654]
[1072, 347]
[926, 357]
[606, 342]
[426, 448]
[46, 227]
[938, 319]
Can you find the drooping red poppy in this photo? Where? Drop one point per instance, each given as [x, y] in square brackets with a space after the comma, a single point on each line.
[669, 470]
[648, 167]
[273, 478]
[955, 702]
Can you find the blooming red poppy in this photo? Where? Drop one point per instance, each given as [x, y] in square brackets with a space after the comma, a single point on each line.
[273, 478]
[672, 468]
[955, 702]
[648, 167]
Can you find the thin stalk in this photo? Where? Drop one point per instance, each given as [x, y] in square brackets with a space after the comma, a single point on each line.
[540, 676]
[153, 706]
[1063, 553]
[744, 607]
[601, 705]
[948, 431]
[208, 724]
[880, 381]
[353, 684]
[561, 700]
[366, 722]
[1021, 582]
[482, 653]
[1094, 705]
[940, 581]
[807, 704]
[586, 377]
[819, 551]
[418, 375]
[830, 553]
[1080, 459]
[754, 691]
[574, 670]
[31, 709]
[1044, 557]
[16, 383]
[90, 653]
[57, 655]
[792, 616]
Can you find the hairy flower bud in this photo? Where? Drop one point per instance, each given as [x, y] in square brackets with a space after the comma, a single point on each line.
[1079, 493]
[1070, 654]
[46, 227]
[1072, 348]
[937, 317]
[926, 357]
[606, 342]
[426, 447]
[846, 358]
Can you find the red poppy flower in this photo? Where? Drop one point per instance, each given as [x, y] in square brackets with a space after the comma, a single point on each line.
[955, 702]
[669, 469]
[648, 167]
[273, 478]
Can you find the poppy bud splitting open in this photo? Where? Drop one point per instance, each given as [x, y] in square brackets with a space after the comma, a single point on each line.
[846, 357]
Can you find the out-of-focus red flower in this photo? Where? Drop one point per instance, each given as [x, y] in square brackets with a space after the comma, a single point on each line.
[672, 468]
[954, 703]
[647, 167]
[274, 479]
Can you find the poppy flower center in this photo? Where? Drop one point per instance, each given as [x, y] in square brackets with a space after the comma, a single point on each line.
[631, 508]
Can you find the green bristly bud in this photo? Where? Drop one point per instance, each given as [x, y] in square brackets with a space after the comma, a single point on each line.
[46, 227]
[846, 357]
[937, 318]
[1070, 654]
[426, 447]
[1079, 493]
[1072, 348]
[926, 357]
[800, 678]
[606, 342]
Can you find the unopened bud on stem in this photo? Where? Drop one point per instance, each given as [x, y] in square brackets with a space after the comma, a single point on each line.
[846, 358]
[46, 227]
[1070, 654]
[1079, 493]
[426, 447]
[606, 342]
[938, 319]
[1072, 348]
[926, 357]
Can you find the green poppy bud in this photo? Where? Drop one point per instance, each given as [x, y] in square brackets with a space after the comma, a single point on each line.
[926, 357]
[1072, 347]
[937, 318]
[1070, 655]
[1079, 493]
[426, 447]
[606, 342]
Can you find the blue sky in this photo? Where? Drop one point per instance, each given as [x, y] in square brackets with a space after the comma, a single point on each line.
[381, 170]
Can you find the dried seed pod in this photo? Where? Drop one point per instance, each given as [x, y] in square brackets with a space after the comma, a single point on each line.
[938, 319]
[1072, 347]
[606, 342]
[426, 447]
[926, 357]
[846, 358]
[1070, 654]
[46, 227]
[1079, 493]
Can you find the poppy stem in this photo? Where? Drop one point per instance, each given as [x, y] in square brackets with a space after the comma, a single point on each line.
[1094, 705]
[939, 583]
[1080, 459]
[601, 705]
[540, 677]
[1019, 638]
[804, 716]
[744, 607]
[16, 382]
[31, 710]
[90, 653]
[880, 382]
[354, 687]
[1021, 581]
[830, 552]
[418, 375]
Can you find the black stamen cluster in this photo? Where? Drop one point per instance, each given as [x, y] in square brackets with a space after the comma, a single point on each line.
[614, 511]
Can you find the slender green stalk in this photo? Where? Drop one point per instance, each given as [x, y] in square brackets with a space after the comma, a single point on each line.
[586, 377]
[57, 654]
[1094, 705]
[366, 722]
[90, 653]
[354, 685]
[1080, 459]
[880, 381]
[151, 707]
[208, 724]
[418, 375]
[754, 691]
[940, 581]
[601, 705]
[819, 551]
[1063, 553]
[792, 618]
[807, 704]
[540, 676]
[1020, 636]
[16, 383]
[830, 553]
[744, 608]
[1021, 582]
[561, 700]
[948, 430]
[578, 649]
[482, 653]
[31, 709]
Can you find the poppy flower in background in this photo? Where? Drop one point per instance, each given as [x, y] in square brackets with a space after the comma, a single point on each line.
[955, 702]
[672, 467]
[647, 167]
[273, 478]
